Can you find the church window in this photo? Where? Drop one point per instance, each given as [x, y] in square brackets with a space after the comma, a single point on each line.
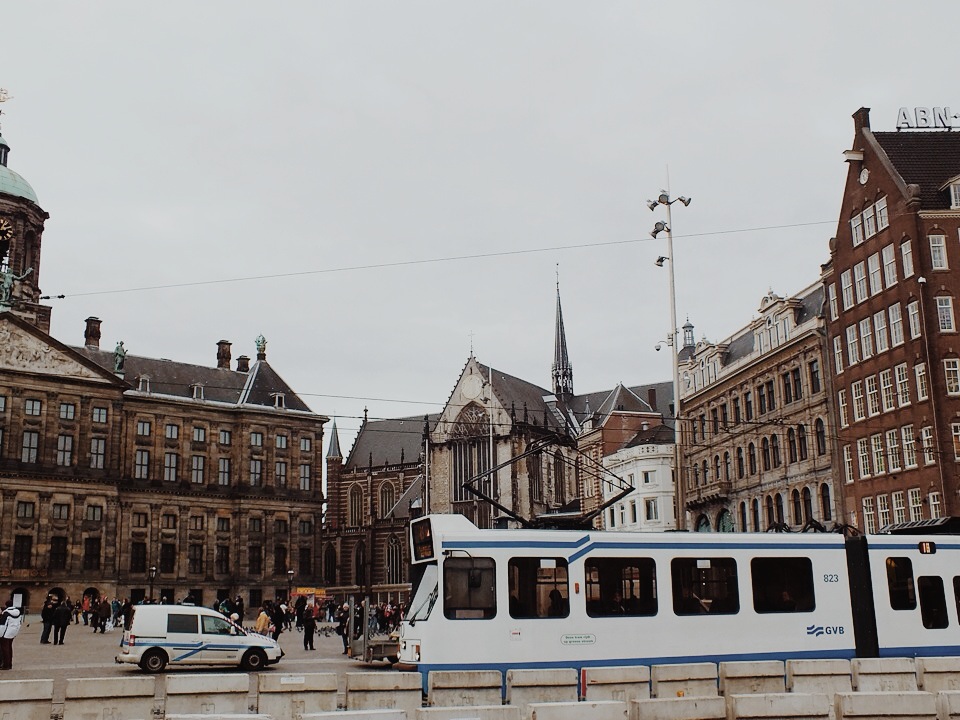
[387, 499]
[394, 561]
[356, 506]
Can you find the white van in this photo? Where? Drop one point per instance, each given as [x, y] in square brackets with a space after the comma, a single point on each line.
[188, 635]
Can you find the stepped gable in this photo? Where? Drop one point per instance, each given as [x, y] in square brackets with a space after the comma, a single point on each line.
[387, 440]
[927, 159]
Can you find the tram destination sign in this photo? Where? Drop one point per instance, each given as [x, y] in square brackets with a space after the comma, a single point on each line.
[939, 118]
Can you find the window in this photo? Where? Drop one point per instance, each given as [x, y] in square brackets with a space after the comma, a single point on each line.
[881, 211]
[903, 384]
[748, 405]
[814, 373]
[222, 567]
[94, 512]
[887, 395]
[913, 317]
[832, 298]
[470, 589]
[3, 403]
[143, 428]
[256, 473]
[782, 584]
[138, 557]
[860, 281]
[255, 560]
[787, 388]
[838, 354]
[801, 441]
[32, 407]
[906, 254]
[869, 520]
[196, 522]
[916, 505]
[820, 432]
[920, 370]
[955, 196]
[705, 585]
[951, 371]
[873, 395]
[846, 289]
[168, 521]
[863, 457]
[866, 338]
[938, 252]
[30, 448]
[256, 439]
[883, 511]
[909, 446]
[880, 331]
[171, 431]
[195, 558]
[856, 229]
[223, 524]
[91, 553]
[736, 411]
[99, 414]
[280, 473]
[58, 553]
[199, 434]
[933, 601]
[538, 587]
[889, 265]
[853, 345]
[25, 509]
[139, 520]
[224, 437]
[752, 458]
[305, 527]
[945, 314]
[223, 471]
[856, 391]
[879, 457]
[168, 557]
[255, 524]
[64, 450]
[61, 511]
[280, 526]
[68, 411]
[791, 445]
[652, 509]
[305, 444]
[22, 552]
[847, 464]
[876, 278]
[97, 452]
[771, 398]
[926, 442]
[935, 508]
[197, 465]
[896, 325]
[280, 559]
[620, 587]
[899, 509]
[900, 584]
[869, 222]
[281, 442]
[170, 463]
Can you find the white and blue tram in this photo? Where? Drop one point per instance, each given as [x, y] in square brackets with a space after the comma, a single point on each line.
[501, 599]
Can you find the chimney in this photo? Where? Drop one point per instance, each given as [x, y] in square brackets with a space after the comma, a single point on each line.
[223, 354]
[652, 398]
[91, 335]
[243, 364]
[861, 120]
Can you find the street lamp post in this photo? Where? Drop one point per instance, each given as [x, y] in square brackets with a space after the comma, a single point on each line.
[664, 199]
[289, 585]
[152, 576]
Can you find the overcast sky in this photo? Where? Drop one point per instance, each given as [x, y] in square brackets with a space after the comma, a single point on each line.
[345, 157]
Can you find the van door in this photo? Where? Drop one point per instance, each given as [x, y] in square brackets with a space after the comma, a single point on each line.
[220, 641]
[183, 637]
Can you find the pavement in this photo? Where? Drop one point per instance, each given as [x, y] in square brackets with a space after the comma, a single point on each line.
[85, 654]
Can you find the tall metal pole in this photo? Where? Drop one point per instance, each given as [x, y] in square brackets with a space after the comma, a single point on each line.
[675, 360]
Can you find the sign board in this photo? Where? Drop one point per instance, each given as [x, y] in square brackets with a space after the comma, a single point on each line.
[939, 118]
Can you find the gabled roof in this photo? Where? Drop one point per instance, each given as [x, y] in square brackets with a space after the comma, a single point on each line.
[927, 159]
[656, 435]
[385, 442]
[512, 392]
[631, 399]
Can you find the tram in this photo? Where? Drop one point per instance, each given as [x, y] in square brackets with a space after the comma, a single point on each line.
[502, 599]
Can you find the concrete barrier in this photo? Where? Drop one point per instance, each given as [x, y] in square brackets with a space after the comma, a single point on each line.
[218, 716]
[357, 715]
[394, 691]
[819, 676]
[477, 712]
[120, 698]
[938, 674]
[948, 705]
[624, 684]
[207, 694]
[884, 674]
[586, 710]
[26, 699]
[688, 680]
[540, 686]
[780, 706]
[752, 678]
[287, 697]
[893, 705]
[679, 708]
[453, 688]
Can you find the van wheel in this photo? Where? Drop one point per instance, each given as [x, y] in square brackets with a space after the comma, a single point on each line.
[254, 660]
[153, 661]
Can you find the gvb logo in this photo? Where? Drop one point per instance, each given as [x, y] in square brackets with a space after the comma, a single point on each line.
[818, 630]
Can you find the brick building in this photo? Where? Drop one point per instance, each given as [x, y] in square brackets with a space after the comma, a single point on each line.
[892, 282]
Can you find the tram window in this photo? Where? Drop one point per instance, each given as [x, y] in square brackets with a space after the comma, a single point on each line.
[621, 586]
[469, 588]
[933, 602]
[422, 540]
[903, 596]
[782, 585]
[538, 587]
[705, 585]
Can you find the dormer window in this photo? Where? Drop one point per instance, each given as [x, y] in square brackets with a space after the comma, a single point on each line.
[278, 400]
[143, 383]
[955, 196]
[197, 391]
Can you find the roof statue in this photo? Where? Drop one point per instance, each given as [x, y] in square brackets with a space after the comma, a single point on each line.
[6, 286]
[261, 343]
[119, 356]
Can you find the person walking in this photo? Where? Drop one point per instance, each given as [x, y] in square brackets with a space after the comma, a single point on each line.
[10, 622]
[104, 613]
[278, 616]
[46, 617]
[308, 622]
[343, 628]
[262, 625]
[61, 621]
[238, 604]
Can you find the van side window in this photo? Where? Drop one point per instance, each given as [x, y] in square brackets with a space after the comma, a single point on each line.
[903, 595]
[469, 588]
[705, 585]
[538, 587]
[621, 586]
[214, 625]
[933, 601]
[783, 584]
[182, 623]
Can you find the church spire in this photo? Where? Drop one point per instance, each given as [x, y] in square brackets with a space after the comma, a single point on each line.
[562, 369]
[333, 449]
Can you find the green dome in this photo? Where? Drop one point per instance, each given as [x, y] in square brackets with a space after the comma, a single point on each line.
[13, 184]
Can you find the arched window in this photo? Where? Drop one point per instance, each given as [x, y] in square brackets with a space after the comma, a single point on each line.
[356, 506]
[752, 458]
[825, 512]
[755, 515]
[807, 505]
[716, 468]
[394, 561]
[726, 466]
[775, 449]
[821, 434]
[778, 500]
[771, 518]
[797, 509]
[387, 499]
[765, 453]
[706, 473]
[802, 441]
[360, 564]
[330, 565]
[743, 517]
[703, 524]
[740, 462]
[725, 521]
[696, 475]
[791, 445]
[559, 480]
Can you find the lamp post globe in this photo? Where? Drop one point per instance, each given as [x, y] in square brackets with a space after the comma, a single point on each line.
[289, 585]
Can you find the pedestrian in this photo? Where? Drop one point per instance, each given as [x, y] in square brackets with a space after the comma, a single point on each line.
[10, 620]
[309, 624]
[278, 616]
[298, 610]
[46, 617]
[61, 621]
[104, 612]
[85, 607]
[238, 604]
[262, 625]
[343, 628]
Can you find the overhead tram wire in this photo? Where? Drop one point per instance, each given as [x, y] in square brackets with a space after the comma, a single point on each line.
[423, 261]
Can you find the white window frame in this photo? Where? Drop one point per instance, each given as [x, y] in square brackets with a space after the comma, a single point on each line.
[913, 319]
[847, 464]
[846, 289]
[889, 255]
[882, 343]
[883, 510]
[888, 397]
[879, 454]
[894, 460]
[881, 209]
[909, 447]
[860, 281]
[863, 458]
[938, 252]
[945, 314]
[951, 375]
[856, 396]
[838, 353]
[853, 345]
[866, 338]
[920, 372]
[902, 374]
[856, 229]
[906, 255]
[874, 274]
[873, 395]
[955, 430]
[832, 297]
[869, 522]
[926, 445]
[869, 222]
[896, 325]
[936, 509]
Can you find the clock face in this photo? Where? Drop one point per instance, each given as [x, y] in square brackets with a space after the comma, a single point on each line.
[864, 176]
[6, 229]
[472, 386]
